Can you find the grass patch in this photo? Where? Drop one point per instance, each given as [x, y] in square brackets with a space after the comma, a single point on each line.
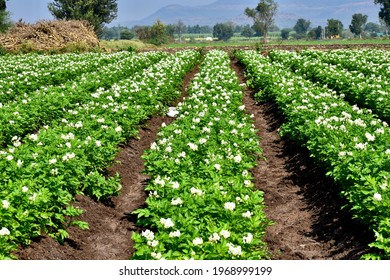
[234, 42]
[120, 45]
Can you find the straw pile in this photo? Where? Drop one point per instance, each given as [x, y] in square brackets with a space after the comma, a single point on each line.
[49, 36]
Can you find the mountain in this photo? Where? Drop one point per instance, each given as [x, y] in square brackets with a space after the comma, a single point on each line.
[288, 12]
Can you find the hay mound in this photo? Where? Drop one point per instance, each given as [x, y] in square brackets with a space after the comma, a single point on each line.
[49, 36]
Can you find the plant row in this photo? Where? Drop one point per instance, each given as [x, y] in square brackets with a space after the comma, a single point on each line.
[348, 141]
[369, 91]
[369, 62]
[49, 70]
[41, 173]
[201, 199]
[13, 65]
[43, 106]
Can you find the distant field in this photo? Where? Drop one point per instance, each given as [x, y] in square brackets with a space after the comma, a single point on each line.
[117, 45]
[199, 40]
[239, 41]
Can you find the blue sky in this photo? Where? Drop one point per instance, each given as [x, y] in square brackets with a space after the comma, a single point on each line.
[32, 10]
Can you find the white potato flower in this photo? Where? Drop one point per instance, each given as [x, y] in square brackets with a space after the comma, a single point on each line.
[197, 241]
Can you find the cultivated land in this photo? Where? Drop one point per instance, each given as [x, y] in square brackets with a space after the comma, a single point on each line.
[295, 165]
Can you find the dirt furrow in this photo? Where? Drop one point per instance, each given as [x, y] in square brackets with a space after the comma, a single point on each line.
[111, 226]
[302, 202]
[300, 199]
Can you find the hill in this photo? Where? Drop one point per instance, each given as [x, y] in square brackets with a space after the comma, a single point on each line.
[288, 13]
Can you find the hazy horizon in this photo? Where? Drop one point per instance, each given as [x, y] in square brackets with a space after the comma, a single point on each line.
[31, 11]
[127, 9]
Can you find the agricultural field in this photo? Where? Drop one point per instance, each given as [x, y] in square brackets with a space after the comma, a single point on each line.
[350, 141]
[195, 154]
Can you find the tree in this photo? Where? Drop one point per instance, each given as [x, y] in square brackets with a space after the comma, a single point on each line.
[263, 16]
[223, 31]
[334, 28]
[3, 5]
[238, 28]
[285, 33]
[96, 12]
[143, 32]
[385, 27]
[357, 24]
[372, 27]
[301, 27]
[180, 29]
[247, 31]
[196, 29]
[157, 34]
[316, 33]
[126, 34]
[170, 29]
[384, 12]
[5, 21]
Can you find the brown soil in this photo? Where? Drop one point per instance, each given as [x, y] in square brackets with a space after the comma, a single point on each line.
[111, 224]
[302, 202]
[109, 237]
[300, 199]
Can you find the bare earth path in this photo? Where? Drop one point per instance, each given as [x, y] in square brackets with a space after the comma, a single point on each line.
[301, 201]
[109, 237]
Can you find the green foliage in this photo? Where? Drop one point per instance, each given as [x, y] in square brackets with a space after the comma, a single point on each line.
[5, 22]
[117, 33]
[27, 47]
[348, 141]
[3, 51]
[126, 34]
[301, 27]
[76, 47]
[223, 31]
[334, 28]
[156, 34]
[357, 24]
[3, 5]
[384, 12]
[197, 29]
[372, 27]
[180, 29]
[315, 33]
[96, 12]
[202, 203]
[285, 33]
[263, 16]
[247, 31]
[80, 124]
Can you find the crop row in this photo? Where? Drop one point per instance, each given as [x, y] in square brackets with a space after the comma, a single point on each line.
[201, 199]
[41, 173]
[14, 65]
[369, 62]
[348, 141]
[46, 105]
[49, 70]
[370, 91]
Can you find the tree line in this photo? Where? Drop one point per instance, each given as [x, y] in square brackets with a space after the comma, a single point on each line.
[123, 32]
[263, 16]
[101, 12]
[5, 21]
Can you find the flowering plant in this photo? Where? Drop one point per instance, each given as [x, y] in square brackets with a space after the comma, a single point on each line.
[200, 178]
[350, 142]
[43, 171]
